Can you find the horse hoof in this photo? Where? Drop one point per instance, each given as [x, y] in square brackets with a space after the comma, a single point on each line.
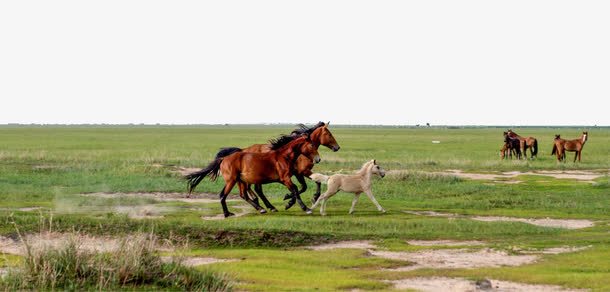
[273, 210]
[229, 214]
[263, 211]
[308, 211]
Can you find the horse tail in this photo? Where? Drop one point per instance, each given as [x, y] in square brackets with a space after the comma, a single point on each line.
[554, 149]
[318, 177]
[213, 169]
[535, 147]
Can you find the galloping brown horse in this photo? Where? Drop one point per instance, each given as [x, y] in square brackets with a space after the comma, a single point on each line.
[319, 135]
[247, 168]
[575, 145]
[529, 142]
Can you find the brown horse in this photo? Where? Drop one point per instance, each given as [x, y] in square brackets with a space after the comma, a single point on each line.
[575, 145]
[558, 148]
[247, 168]
[319, 135]
[529, 142]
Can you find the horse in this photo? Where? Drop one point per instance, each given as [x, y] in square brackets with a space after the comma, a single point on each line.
[356, 183]
[319, 135]
[575, 145]
[558, 148]
[512, 146]
[247, 168]
[529, 142]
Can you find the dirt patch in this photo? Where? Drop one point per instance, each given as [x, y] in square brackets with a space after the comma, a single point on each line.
[198, 261]
[359, 244]
[545, 222]
[244, 210]
[455, 259]
[586, 176]
[434, 284]
[556, 250]
[143, 211]
[180, 197]
[25, 209]
[56, 240]
[444, 242]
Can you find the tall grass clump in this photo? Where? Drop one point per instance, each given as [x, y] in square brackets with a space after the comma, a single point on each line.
[133, 264]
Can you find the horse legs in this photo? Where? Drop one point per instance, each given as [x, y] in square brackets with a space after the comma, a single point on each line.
[316, 195]
[330, 191]
[295, 193]
[244, 190]
[575, 156]
[223, 198]
[369, 193]
[301, 180]
[356, 196]
[259, 192]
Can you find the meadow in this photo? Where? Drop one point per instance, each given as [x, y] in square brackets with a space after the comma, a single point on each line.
[50, 177]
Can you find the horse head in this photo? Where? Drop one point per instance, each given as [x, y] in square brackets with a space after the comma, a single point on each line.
[376, 169]
[585, 136]
[307, 148]
[557, 137]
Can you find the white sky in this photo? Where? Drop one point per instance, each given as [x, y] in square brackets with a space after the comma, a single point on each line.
[348, 62]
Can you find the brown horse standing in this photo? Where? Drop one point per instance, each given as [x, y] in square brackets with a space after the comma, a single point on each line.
[247, 168]
[575, 145]
[529, 142]
[558, 148]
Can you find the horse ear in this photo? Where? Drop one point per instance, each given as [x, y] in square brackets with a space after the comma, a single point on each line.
[375, 161]
[326, 126]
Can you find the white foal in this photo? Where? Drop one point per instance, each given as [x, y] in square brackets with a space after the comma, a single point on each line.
[352, 183]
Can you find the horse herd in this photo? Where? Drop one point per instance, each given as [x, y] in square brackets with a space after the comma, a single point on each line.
[295, 155]
[517, 145]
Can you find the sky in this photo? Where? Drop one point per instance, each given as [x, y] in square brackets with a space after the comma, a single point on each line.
[347, 62]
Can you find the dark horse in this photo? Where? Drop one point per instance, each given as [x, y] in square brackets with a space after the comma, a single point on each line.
[560, 146]
[319, 135]
[247, 168]
[529, 142]
[511, 145]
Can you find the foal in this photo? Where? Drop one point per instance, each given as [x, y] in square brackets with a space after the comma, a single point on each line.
[511, 145]
[354, 183]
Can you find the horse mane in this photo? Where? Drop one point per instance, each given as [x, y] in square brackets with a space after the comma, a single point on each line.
[281, 141]
[365, 167]
[302, 129]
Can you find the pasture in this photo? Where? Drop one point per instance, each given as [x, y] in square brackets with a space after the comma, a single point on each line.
[442, 199]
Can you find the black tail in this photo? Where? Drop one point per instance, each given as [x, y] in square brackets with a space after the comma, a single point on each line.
[554, 149]
[535, 147]
[212, 169]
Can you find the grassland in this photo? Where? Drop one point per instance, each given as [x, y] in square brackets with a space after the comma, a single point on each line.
[49, 167]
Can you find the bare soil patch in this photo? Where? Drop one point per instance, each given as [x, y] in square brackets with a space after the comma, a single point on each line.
[441, 284]
[580, 175]
[55, 240]
[180, 197]
[198, 261]
[545, 222]
[358, 244]
[143, 211]
[455, 259]
[444, 242]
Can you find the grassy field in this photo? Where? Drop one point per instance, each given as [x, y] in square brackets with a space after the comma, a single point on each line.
[48, 168]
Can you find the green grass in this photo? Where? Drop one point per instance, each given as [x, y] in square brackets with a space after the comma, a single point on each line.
[49, 167]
